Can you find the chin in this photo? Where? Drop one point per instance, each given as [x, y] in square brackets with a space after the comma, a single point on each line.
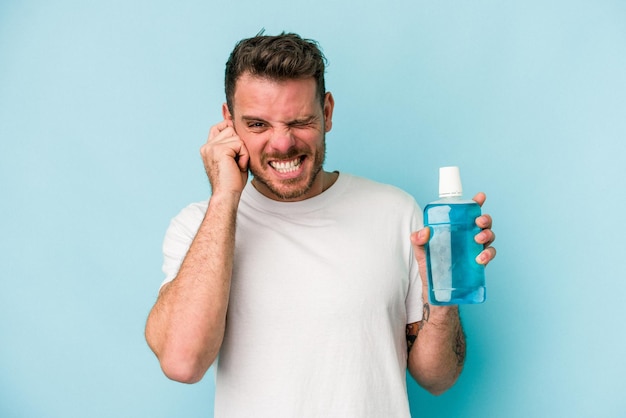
[283, 190]
[290, 193]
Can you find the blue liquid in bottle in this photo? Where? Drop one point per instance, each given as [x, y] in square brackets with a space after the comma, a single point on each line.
[454, 276]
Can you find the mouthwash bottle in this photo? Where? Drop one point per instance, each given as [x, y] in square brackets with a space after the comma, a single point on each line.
[454, 276]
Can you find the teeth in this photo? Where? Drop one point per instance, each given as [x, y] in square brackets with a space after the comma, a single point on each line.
[285, 167]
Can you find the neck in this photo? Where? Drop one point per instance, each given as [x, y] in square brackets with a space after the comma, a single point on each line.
[328, 179]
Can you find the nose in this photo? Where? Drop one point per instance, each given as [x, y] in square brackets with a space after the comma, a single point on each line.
[282, 139]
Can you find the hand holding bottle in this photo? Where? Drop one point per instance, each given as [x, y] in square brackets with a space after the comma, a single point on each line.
[456, 245]
[486, 236]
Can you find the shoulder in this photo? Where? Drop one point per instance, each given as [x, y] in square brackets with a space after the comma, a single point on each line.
[194, 209]
[190, 217]
[379, 192]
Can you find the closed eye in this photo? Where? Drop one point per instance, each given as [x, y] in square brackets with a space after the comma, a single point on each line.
[299, 124]
[302, 123]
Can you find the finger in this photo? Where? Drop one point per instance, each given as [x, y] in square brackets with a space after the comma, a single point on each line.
[485, 237]
[486, 256]
[418, 241]
[225, 143]
[480, 198]
[223, 125]
[484, 221]
[243, 158]
[222, 129]
[217, 128]
[421, 237]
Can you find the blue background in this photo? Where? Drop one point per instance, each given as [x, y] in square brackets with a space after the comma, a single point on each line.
[105, 104]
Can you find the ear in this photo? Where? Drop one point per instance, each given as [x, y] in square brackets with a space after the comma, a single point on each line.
[329, 105]
[226, 113]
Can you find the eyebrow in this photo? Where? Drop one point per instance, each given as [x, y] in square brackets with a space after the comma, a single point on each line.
[252, 119]
[304, 119]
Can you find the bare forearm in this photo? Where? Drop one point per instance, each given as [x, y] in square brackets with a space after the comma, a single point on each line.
[437, 355]
[186, 326]
[437, 343]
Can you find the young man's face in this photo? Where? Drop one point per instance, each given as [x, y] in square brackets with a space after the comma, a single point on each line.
[283, 126]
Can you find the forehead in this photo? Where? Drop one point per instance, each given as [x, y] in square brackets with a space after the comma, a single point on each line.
[253, 93]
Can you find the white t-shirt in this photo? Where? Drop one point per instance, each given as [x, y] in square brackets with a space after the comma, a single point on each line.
[321, 293]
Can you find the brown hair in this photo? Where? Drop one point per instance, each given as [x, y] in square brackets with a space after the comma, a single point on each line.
[282, 57]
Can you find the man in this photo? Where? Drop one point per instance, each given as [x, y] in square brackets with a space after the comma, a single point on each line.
[308, 284]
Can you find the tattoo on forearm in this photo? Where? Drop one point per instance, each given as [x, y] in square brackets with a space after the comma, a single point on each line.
[459, 346]
[425, 315]
[411, 335]
[413, 329]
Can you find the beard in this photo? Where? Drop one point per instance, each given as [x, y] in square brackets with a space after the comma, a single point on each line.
[293, 188]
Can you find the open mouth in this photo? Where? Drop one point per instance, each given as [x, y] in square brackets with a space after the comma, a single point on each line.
[284, 167]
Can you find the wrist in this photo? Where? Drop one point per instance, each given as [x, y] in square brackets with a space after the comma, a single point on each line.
[225, 197]
[225, 203]
[440, 316]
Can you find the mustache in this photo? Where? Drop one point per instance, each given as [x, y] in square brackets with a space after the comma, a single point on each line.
[289, 155]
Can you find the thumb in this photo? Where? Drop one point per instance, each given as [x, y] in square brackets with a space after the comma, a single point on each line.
[418, 240]
[421, 237]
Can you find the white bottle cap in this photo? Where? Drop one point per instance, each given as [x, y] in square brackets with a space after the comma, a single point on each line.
[450, 182]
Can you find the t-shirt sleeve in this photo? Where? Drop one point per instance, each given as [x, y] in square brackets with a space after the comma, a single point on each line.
[414, 300]
[178, 237]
